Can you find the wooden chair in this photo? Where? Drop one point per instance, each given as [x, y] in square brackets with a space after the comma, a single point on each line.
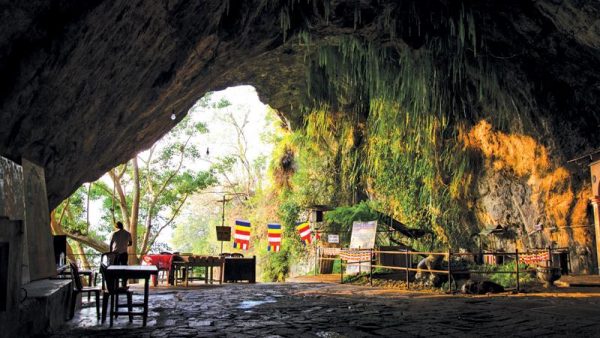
[79, 288]
[112, 292]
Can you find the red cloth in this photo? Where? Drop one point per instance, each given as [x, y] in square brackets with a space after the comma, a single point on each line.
[162, 262]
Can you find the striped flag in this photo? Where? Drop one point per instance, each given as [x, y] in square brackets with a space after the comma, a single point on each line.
[241, 235]
[304, 231]
[274, 233]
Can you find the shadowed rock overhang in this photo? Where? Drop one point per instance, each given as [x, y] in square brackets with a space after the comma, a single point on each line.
[87, 84]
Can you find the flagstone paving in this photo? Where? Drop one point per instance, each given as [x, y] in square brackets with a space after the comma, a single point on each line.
[329, 311]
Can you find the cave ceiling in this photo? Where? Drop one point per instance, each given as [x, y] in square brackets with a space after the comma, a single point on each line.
[85, 85]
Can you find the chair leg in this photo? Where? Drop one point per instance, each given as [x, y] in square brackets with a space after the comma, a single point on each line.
[104, 306]
[97, 294]
[129, 306]
[112, 309]
[72, 308]
[116, 305]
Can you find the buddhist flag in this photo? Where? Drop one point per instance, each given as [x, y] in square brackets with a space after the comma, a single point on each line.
[241, 235]
[304, 231]
[274, 233]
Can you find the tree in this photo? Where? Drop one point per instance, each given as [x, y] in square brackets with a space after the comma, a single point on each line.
[147, 192]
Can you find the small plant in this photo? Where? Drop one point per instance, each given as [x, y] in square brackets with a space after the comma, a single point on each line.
[505, 274]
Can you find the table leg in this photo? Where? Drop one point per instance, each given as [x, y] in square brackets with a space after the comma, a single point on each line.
[187, 273]
[221, 268]
[146, 287]
[206, 274]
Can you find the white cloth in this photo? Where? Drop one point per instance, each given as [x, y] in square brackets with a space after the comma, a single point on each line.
[120, 240]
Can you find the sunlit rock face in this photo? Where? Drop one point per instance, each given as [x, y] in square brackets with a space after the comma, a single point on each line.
[87, 84]
[542, 202]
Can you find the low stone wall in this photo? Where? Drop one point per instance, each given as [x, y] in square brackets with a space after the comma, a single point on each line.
[46, 307]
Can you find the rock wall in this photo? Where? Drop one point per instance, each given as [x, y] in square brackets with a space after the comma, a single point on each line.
[40, 244]
[23, 198]
[542, 202]
[87, 84]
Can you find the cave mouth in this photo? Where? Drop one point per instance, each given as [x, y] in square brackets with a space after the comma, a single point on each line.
[220, 148]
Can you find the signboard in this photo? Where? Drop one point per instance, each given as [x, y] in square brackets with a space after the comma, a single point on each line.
[363, 235]
[331, 238]
[223, 234]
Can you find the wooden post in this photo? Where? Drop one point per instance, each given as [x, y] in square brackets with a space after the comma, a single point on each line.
[317, 265]
[341, 270]
[449, 273]
[407, 271]
[517, 259]
[371, 266]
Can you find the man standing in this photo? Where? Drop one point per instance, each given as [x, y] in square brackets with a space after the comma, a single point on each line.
[119, 241]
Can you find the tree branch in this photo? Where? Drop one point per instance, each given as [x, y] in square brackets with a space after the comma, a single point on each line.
[175, 213]
[91, 242]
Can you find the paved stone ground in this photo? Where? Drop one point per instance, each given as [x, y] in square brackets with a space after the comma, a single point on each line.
[329, 311]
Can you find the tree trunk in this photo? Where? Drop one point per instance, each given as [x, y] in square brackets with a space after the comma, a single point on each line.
[135, 208]
[122, 198]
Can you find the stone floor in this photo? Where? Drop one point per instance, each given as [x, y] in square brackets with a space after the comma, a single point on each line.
[333, 310]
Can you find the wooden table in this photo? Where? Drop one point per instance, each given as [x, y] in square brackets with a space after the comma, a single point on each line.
[208, 262]
[134, 272]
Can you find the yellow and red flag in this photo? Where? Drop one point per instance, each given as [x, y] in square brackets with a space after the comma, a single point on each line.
[274, 234]
[304, 231]
[241, 235]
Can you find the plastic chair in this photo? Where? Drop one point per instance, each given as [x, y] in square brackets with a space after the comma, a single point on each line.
[79, 288]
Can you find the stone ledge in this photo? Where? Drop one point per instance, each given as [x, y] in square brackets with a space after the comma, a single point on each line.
[46, 307]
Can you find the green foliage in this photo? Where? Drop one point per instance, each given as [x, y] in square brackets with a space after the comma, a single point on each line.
[505, 274]
[277, 265]
[196, 232]
[345, 216]
[384, 121]
[340, 219]
[165, 182]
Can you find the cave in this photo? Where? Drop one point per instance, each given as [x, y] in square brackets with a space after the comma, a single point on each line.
[514, 85]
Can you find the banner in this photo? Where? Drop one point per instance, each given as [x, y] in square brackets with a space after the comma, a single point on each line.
[304, 231]
[534, 258]
[241, 235]
[274, 234]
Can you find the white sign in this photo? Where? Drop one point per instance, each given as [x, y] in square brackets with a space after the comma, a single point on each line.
[333, 238]
[363, 235]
